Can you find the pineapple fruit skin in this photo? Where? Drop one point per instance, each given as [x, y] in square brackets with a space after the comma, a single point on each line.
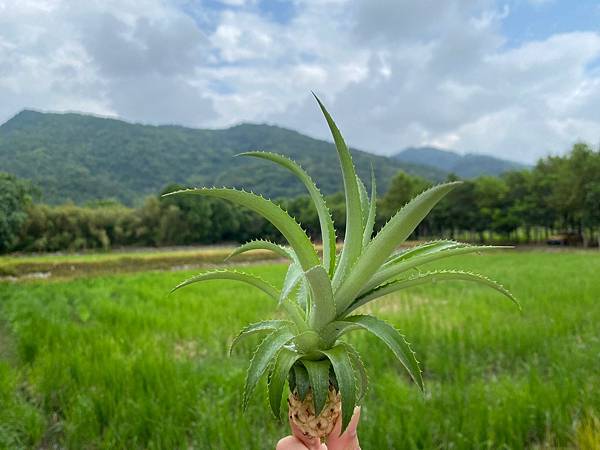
[303, 415]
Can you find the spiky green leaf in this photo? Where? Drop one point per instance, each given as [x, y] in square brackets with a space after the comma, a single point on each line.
[325, 220]
[263, 356]
[322, 308]
[399, 227]
[359, 368]
[292, 278]
[296, 237]
[364, 201]
[284, 362]
[389, 272]
[261, 244]
[303, 294]
[333, 330]
[431, 277]
[318, 374]
[354, 226]
[394, 340]
[295, 312]
[302, 381]
[253, 328]
[422, 249]
[232, 275]
[344, 373]
[368, 232]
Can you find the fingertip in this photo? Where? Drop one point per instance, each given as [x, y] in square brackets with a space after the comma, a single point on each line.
[353, 425]
[288, 443]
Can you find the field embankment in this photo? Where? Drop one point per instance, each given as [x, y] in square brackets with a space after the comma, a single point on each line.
[26, 267]
[67, 265]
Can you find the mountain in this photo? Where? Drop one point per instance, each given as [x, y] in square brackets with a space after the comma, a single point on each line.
[465, 166]
[77, 157]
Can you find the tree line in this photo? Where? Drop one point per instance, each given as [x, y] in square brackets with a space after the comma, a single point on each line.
[560, 194]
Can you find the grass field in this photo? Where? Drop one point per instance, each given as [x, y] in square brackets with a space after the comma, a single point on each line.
[113, 362]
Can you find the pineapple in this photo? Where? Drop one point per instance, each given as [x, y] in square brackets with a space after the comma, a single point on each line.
[320, 295]
[302, 413]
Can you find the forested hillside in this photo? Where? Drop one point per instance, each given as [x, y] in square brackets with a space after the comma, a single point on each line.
[75, 157]
[558, 200]
[464, 166]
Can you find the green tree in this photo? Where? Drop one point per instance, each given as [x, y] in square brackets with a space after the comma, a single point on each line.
[520, 203]
[184, 220]
[492, 203]
[584, 170]
[592, 209]
[403, 187]
[15, 196]
[456, 213]
[226, 221]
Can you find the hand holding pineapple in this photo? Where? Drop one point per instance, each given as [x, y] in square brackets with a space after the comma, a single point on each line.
[320, 295]
[336, 440]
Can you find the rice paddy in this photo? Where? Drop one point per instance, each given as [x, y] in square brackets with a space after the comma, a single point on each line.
[113, 362]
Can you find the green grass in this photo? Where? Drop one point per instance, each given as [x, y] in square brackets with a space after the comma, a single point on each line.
[113, 362]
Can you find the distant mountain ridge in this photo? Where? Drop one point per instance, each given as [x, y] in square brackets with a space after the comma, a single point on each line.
[469, 165]
[79, 158]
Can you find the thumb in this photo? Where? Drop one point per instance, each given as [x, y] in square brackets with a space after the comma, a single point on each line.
[348, 439]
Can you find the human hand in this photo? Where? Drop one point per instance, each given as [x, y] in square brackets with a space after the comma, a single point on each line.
[348, 440]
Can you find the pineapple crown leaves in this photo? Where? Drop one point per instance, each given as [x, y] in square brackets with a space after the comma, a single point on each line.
[421, 248]
[322, 306]
[324, 215]
[258, 327]
[354, 217]
[396, 267]
[346, 379]
[372, 212]
[393, 233]
[278, 374]
[329, 290]
[298, 380]
[229, 274]
[291, 230]
[262, 358]
[293, 277]
[262, 244]
[291, 308]
[392, 338]
[318, 376]
[359, 367]
[431, 277]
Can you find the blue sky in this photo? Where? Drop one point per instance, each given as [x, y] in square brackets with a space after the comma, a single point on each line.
[516, 79]
[534, 20]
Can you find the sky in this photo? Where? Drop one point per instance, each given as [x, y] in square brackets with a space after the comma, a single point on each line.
[516, 79]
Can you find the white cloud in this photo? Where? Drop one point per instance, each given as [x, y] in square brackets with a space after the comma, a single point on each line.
[132, 59]
[393, 72]
[459, 86]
